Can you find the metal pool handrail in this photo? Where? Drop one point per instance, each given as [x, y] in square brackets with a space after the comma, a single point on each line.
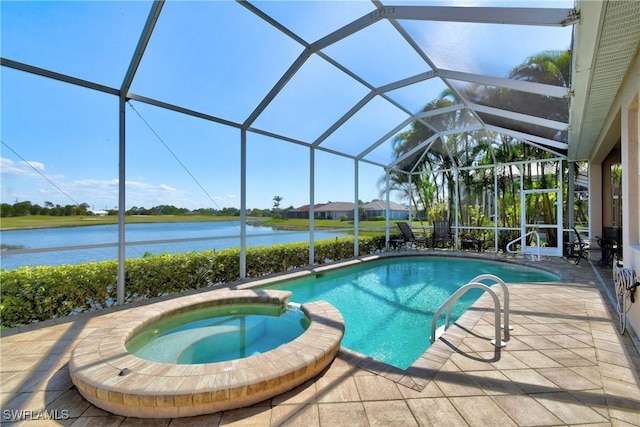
[475, 284]
[522, 238]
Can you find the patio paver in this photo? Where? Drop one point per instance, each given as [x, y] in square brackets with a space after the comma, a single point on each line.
[565, 364]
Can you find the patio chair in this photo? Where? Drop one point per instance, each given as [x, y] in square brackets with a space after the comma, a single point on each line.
[408, 238]
[441, 234]
[471, 242]
[579, 248]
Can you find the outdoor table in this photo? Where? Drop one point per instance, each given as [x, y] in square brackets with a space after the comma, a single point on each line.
[608, 246]
[471, 243]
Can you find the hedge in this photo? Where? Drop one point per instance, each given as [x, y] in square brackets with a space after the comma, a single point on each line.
[32, 294]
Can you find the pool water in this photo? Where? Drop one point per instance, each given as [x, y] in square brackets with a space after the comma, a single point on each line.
[218, 334]
[388, 304]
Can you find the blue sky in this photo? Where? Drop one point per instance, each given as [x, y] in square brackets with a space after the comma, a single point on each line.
[60, 142]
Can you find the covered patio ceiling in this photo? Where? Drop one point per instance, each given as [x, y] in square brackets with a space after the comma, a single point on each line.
[349, 77]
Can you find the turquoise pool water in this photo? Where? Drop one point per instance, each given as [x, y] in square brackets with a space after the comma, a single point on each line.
[217, 334]
[388, 304]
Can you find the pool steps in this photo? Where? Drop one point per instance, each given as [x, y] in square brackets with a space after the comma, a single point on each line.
[475, 283]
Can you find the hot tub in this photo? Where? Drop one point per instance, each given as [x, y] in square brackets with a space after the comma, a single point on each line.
[218, 333]
[109, 376]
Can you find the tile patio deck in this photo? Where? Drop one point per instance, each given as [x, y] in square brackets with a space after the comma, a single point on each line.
[565, 364]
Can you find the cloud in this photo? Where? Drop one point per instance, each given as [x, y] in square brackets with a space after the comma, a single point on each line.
[166, 188]
[96, 183]
[24, 181]
[21, 169]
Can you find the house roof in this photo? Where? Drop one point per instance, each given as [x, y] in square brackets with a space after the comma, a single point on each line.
[336, 207]
[306, 208]
[379, 205]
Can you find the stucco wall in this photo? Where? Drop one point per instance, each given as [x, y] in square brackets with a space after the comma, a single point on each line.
[625, 107]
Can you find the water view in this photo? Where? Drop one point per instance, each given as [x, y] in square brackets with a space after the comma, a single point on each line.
[210, 235]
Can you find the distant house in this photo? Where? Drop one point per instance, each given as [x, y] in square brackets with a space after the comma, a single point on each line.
[303, 211]
[379, 208]
[98, 212]
[335, 210]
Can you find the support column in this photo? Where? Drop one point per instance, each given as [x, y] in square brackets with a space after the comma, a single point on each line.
[571, 195]
[630, 175]
[243, 204]
[411, 200]
[495, 209]
[312, 210]
[456, 206]
[386, 215]
[356, 213]
[595, 199]
[121, 197]
[631, 204]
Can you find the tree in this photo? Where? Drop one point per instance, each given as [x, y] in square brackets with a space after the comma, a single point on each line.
[276, 202]
[276, 206]
[433, 183]
[22, 208]
[6, 210]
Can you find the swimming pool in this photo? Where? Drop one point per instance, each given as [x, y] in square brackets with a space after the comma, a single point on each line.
[388, 304]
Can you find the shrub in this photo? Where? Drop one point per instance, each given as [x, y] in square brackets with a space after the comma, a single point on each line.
[32, 294]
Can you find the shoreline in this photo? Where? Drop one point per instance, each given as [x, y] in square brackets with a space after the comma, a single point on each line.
[42, 222]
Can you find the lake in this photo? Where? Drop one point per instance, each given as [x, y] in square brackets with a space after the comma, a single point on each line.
[211, 235]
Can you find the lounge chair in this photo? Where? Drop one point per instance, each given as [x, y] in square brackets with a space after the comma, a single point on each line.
[408, 238]
[441, 234]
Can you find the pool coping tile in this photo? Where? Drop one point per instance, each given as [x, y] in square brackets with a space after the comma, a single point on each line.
[574, 317]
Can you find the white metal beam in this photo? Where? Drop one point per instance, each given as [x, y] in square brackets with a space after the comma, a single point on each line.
[275, 90]
[407, 82]
[439, 111]
[243, 205]
[384, 138]
[149, 25]
[417, 148]
[368, 97]
[347, 30]
[182, 110]
[555, 17]
[472, 128]
[586, 36]
[552, 124]
[520, 85]
[547, 144]
[58, 76]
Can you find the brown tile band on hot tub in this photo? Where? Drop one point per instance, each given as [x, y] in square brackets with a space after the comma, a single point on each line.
[113, 379]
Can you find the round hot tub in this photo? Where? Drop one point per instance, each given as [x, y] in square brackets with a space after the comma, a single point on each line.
[218, 333]
[205, 353]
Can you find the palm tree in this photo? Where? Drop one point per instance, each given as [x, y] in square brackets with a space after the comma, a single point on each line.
[550, 67]
[276, 204]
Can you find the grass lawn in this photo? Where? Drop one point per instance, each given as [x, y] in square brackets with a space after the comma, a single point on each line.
[321, 223]
[46, 221]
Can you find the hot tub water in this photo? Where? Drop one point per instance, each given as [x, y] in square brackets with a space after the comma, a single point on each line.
[218, 334]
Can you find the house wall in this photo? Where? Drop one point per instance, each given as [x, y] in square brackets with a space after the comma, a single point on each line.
[631, 203]
[336, 214]
[393, 215]
[624, 117]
